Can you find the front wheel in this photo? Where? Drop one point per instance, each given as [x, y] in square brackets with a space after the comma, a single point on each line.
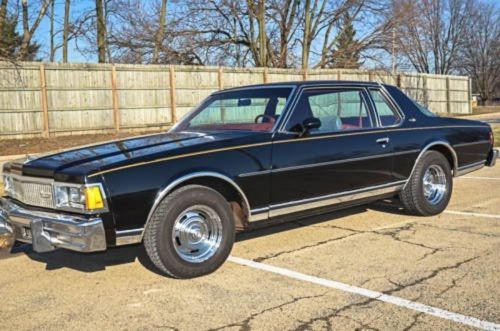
[428, 190]
[190, 233]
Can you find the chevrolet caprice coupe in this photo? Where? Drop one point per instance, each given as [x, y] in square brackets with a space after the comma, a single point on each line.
[244, 156]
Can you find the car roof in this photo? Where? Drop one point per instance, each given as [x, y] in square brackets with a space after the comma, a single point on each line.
[308, 83]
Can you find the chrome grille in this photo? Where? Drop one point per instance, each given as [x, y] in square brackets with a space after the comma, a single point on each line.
[32, 191]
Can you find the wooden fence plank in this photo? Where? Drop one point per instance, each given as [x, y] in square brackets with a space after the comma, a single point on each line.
[220, 78]
[173, 95]
[116, 110]
[45, 104]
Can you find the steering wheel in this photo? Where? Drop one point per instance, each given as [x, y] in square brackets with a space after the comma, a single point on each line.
[269, 117]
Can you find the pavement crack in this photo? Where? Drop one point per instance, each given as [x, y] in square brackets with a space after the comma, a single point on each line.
[431, 275]
[245, 324]
[166, 327]
[489, 235]
[274, 255]
[395, 232]
[306, 325]
[414, 322]
[453, 284]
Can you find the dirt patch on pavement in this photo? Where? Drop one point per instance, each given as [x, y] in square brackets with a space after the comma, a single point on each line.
[42, 145]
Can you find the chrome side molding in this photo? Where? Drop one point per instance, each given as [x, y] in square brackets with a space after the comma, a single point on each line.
[325, 200]
[470, 168]
[127, 237]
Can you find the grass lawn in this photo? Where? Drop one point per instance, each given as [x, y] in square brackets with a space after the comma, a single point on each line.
[485, 110]
[496, 131]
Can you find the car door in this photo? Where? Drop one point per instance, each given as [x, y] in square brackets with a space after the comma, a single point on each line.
[405, 146]
[346, 154]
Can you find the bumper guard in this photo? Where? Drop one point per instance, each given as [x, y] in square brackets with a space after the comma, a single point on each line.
[492, 157]
[48, 231]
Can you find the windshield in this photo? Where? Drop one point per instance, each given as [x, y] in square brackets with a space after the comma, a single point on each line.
[248, 110]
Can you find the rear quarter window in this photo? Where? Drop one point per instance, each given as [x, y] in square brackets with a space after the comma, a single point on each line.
[385, 111]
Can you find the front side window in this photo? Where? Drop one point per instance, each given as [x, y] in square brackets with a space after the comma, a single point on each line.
[250, 109]
[387, 114]
[338, 110]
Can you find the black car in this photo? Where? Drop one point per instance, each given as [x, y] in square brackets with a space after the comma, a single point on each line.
[263, 153]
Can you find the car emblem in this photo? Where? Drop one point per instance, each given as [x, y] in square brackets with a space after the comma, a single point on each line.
[45, 195]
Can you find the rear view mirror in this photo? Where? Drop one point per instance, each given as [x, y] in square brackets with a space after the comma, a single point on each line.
[244, 102]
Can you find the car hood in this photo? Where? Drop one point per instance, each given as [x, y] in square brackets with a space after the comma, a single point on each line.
[72, 165]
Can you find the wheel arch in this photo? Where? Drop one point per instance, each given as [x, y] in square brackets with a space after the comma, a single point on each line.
[442, 147]
[217, 181]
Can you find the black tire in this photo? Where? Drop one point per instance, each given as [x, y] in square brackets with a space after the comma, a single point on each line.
[413, 197]
[158, 238]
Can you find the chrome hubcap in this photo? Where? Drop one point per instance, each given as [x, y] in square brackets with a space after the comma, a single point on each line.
[197, 234]
[434, 182]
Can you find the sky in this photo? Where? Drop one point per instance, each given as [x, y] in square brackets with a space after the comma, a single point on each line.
[42, 36]
[78, 7]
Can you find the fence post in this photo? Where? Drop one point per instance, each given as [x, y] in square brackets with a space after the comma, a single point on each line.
[448, 95]
[339, 75]
[173, 102]
[469, 94]
[266, 75]
[426, 92]
[399, 81]
[220, 78]
[370, 76]
[114, 93]
[45, 104]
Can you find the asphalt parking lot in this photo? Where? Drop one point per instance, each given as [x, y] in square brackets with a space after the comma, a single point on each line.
[367, 268]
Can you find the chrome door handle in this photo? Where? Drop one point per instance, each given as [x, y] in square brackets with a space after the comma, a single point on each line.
[383, 140]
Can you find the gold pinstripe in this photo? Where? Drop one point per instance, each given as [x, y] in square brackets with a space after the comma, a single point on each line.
[338, 134]
[179, 157]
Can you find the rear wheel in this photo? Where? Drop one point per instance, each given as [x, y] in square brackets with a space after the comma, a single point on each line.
[428, 191]
[190, 233]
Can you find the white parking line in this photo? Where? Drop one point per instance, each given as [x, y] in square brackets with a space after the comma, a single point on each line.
[476, 177]
[465, 213]
[441, 313]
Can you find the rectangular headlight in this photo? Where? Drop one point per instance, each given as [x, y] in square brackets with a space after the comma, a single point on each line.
[88, 198]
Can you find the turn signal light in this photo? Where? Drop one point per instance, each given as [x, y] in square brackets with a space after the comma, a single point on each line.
[93, 198]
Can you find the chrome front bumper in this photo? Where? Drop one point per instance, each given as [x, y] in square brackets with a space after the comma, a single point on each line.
[48, 231]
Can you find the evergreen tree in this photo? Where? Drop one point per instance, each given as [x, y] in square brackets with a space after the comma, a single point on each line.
[347, 48]
[10, 42]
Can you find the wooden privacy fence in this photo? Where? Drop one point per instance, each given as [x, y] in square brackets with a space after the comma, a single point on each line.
[42, 99]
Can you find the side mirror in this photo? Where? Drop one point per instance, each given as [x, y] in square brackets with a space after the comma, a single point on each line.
[310, 124]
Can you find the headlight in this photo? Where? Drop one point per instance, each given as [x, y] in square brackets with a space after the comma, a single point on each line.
[89, 198]
[8, 185]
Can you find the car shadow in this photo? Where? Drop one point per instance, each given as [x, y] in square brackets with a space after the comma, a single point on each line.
[94, 262]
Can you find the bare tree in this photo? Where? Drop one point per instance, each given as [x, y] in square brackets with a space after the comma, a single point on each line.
[66, 30]
[52, 16]
[430, 32]
[28, 31]
[3, 16]
[480, 51]
[160, 33]
[285, 16]
[261, 19]
[101, 31]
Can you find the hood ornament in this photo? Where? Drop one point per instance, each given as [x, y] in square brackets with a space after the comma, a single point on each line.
[29, 158]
